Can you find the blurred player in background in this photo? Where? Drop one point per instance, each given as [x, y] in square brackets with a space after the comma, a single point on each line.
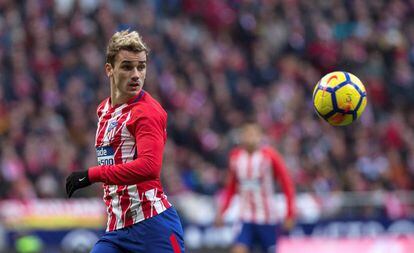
[129, 144]
[253, 168]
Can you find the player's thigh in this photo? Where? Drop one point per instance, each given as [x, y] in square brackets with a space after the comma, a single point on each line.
[267, 236]
[162, 233]
[104, 246]
[245, 236]
[167, 243]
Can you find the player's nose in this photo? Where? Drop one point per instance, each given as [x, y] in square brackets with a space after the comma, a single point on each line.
[135, 75]
[135, 78]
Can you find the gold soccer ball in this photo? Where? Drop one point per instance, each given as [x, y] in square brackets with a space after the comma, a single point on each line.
[339, 98]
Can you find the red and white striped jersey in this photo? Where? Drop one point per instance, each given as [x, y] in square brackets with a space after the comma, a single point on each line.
[129, 145]
[252, 176]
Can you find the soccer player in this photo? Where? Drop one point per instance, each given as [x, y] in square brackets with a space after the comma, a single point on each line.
[253, 169]
[129, 143]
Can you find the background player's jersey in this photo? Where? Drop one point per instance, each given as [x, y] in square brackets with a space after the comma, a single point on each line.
[129, 144]
[252, 176]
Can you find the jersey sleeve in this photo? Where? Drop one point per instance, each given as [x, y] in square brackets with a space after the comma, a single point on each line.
[231, 185]
[150, 137]
[281, 174]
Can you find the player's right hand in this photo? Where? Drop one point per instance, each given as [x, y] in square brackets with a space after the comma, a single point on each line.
[75, 181]
[218, 221]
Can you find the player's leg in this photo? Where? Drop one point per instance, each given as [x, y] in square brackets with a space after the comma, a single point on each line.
[267, 235]
[244, 240]
[159, 234]
[166, 233]
[239, 248]
[106, 245]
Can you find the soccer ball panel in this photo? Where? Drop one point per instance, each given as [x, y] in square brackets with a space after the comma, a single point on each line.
[340, 119]
[323, 102]
[333, 79]
[347, 97]
[362, 107]
[355, 80]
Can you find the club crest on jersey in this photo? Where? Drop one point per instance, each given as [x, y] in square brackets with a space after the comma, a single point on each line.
[111, 130]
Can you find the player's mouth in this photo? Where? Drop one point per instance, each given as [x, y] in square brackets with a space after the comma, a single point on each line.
[134, 85]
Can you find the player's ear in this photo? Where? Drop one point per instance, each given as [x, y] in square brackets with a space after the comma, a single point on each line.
[108, 69]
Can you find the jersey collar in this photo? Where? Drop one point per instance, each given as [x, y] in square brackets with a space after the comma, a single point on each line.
[132, 100]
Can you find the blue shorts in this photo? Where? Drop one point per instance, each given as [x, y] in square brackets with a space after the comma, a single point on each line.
[160, 234]
[252, 235]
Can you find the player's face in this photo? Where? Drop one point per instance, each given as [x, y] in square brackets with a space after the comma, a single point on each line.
[128, 74]
[251, 136]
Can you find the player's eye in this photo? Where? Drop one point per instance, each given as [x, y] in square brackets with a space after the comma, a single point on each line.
[127, 67]
[141, 67]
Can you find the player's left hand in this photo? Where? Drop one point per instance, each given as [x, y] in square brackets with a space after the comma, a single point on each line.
[75, 181]
[288, 224]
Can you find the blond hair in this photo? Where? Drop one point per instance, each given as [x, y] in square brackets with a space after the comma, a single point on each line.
[124, 40]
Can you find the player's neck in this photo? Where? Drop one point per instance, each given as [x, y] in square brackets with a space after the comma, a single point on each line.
[250, 149]
[118, 99]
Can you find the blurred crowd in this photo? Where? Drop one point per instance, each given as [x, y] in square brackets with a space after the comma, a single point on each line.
[213, 65]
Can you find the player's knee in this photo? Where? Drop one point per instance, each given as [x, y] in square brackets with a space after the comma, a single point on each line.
[271, 249]
[239, 248]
